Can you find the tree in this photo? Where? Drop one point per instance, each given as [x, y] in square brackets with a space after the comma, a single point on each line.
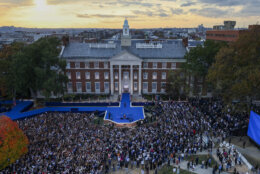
[236, 72]
[13, 142]
[199, 60]
[6, 57]
[39, 69]
[175, 84]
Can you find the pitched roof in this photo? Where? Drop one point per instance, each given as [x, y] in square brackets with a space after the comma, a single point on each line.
[170, 49]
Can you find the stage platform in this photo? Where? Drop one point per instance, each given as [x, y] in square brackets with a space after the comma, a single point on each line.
[125, 113]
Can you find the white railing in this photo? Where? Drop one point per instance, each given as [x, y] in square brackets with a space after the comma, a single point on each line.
[100, 45]
[145, 45]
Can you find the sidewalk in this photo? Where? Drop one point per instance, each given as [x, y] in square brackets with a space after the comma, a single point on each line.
[198, 169]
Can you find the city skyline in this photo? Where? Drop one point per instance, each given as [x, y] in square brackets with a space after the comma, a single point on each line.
[141, 14]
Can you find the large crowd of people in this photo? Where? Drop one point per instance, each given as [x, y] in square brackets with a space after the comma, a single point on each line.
[71, 142]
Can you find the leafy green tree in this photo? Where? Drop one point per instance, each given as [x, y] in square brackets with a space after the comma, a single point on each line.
[199, 60]
[236, 72]
[6, 58]
[37, 68]
[175, 84]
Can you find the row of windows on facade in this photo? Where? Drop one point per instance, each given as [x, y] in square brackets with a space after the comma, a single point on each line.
[222, 35]
[106, 86]
[96, 65]
[106, 75]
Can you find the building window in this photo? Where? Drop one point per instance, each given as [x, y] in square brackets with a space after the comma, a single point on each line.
[163, 86]
[97, 87]
[164, 65]
[79, 87]
[154, 65]
[77, 65]
[163, 75]
[78, 76]
[88, 86]
[145, 86]
[106, 65]
[173, 65]
[106, 86]
[96, 65]
[116, 75]
[145, 75]
[154, 87]
[135, 86]
[70, 88]
[87, 75]
[87, 65]
[69, 75]
[68, 65]
[135, 75]
[96, 75]
[145, 64]
[154, 75]
[116, 86]
[106, 74]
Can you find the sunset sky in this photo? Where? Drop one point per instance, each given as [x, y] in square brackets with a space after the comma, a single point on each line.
[140, 13]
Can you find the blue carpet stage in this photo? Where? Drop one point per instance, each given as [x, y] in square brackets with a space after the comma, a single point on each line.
[120, 115]
[124, 113]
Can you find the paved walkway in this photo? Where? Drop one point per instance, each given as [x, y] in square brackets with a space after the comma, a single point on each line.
[198, 169]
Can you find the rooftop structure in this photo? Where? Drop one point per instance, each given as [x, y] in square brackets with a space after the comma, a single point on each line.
[137, 66]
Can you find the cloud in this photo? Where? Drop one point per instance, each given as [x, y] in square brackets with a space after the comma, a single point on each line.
[133, 2]
[17, 2]
[176, 11]
[223, 2]
[187, 4]
[104, 16]
[249, 10]
[154, 13]
[146, 13]
[229, 3]
[162, 14]
[210, 12]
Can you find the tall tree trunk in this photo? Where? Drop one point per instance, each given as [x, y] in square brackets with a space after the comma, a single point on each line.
[204, 86]
[14, 97]
[34, 96]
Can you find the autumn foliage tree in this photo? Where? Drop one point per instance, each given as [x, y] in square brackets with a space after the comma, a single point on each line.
[13, 142]
[199, 60]
[236, 71]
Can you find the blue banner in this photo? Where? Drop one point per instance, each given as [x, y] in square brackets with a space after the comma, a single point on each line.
[254, 127]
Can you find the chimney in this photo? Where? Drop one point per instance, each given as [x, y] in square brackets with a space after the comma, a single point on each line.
[185, 42]
[65, 40]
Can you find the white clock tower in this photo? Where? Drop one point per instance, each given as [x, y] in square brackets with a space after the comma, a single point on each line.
[126, 37]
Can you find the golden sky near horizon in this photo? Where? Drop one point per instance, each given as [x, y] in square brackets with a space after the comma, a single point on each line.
[140, 13]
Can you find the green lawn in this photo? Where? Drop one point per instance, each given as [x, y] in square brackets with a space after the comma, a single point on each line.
[202, 158]
[168, 170]
[98, 120]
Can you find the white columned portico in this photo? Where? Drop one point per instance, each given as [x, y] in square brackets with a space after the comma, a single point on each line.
[111, 79]
[139, 79]
[131, 78]
[127, 59]
[120, 79]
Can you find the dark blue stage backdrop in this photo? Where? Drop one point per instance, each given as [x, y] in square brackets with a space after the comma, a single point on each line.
[254, 127]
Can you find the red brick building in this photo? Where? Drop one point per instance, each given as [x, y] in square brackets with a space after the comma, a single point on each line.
[227, 32]
[125, 65]
[224, 35]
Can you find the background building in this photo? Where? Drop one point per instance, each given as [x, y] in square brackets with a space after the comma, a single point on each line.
[226, 32]
[129, 65]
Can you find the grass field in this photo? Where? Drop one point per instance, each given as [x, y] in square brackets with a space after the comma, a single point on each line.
[202, 158]
[98, 120]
